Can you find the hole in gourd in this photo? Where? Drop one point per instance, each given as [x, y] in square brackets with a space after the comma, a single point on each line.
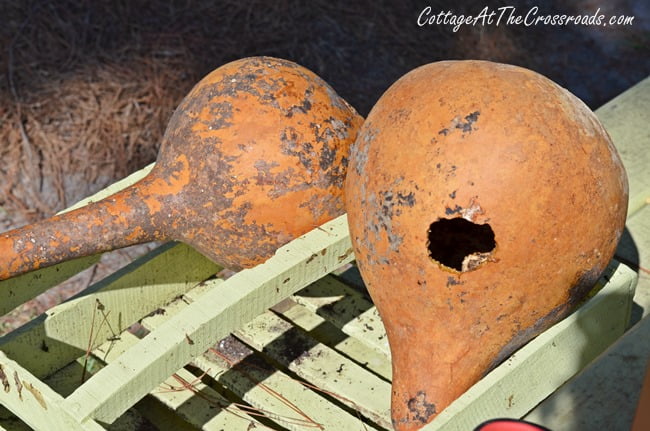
[460, 244]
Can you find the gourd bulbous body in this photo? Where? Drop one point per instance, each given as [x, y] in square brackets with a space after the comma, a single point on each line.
[484, 201]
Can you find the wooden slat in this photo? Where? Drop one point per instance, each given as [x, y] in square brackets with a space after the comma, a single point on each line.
[626, 120]
[281, 397]
[320, 365]
[35, 402]
[128, 295]
[67, 379]
[13, 425]
[287, 402]
[636, 252]
[200, 406]
[604, 396]
[248, 293]
[345, 308]
[329, 334]
[544, 364]
[201, 411]
[204, 411]
[18, 290]
[53, 340]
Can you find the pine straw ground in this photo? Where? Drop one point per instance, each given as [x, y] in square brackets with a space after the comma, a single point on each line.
[88, 86]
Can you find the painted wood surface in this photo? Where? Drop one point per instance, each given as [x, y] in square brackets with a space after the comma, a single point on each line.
[320, 365]
[219, 312]
[609, 321]
[353, 314]
[326, 332]
[35, 402]
[282, 398]
[604, 396]
[188, 397]
[634, 249]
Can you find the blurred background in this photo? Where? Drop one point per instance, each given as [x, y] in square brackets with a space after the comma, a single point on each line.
[88, 86]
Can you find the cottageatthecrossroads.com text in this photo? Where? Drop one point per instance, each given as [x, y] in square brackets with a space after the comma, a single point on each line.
[509, 15]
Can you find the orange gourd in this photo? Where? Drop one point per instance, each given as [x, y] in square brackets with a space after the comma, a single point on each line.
[254, 156]
[484, 202]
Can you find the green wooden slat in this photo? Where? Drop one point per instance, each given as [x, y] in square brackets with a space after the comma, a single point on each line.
[33, 349]
[320, 365]
[326, 332]
[345, 308]
[223, 309]
[34, 402]
[267, 389]
[18, 290]
[13, 424]
[128, 295]
[637, 253]
[604, 396]
[263, 387]
[68, 378]
[206, 411]
[199, 412]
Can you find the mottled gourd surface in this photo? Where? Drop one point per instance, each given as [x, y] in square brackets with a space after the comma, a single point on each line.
[265, 145]
[254, 156]
[484, 201]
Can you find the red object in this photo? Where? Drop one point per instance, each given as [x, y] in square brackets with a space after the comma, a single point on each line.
[509, 425]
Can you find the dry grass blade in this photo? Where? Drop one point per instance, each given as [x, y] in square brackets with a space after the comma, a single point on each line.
[309, 422]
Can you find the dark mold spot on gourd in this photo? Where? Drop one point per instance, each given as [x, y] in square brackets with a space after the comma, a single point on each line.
[304, 107]
[405, 199]
[292, 146]
[583, 283]
[220, 114]
[361, 147]
[327, 157]
[420, 409]
[466, 126]
[389, 204]
[451, 211]
[470, 119]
